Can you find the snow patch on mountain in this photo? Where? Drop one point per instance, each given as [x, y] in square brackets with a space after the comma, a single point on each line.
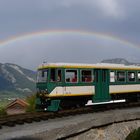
[16, 81]
[21, 72]
[31, 79]
[16, 68]
[10, 77]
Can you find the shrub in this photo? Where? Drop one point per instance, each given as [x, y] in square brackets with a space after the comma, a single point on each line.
[31, 101]
[2, 111]
[134, 135]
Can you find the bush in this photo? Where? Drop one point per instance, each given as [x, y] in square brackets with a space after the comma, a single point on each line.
[31, 101]
[2, 111]
[134, 135]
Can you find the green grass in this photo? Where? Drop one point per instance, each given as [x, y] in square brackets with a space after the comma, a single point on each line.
[31, 101]
[3, 104]
[2, 111]
[134, 135]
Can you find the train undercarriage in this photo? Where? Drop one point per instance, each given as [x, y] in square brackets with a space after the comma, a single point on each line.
[56, 104]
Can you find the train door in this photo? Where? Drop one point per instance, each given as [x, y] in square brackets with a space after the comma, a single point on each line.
[101, 85]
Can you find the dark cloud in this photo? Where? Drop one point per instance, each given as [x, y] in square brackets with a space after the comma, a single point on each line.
[114, 17]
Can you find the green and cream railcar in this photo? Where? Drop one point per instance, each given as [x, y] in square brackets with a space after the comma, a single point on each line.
[66, 85]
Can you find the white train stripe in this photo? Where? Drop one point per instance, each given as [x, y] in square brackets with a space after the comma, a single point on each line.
[124, 88]
[90, 90]
[73, 90]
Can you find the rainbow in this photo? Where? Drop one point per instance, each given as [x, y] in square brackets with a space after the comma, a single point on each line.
[23, 37]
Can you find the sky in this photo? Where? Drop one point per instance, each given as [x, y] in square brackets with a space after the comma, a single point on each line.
[81, 31]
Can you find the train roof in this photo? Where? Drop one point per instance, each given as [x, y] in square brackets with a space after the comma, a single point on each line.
[84, 65]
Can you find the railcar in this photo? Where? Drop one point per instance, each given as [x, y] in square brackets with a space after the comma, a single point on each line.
[67, 85]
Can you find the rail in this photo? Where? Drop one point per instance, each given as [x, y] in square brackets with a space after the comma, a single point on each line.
[12, 120]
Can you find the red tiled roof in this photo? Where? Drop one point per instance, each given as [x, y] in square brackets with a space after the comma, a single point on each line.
[18, 101]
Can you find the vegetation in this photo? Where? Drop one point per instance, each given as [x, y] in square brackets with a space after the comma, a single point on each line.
[134, 135]
[5, 95]
[31, 101]
[4, 102]
[2, 111]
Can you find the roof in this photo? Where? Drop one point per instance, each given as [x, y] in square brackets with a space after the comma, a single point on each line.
[18, 101]
[81, 65]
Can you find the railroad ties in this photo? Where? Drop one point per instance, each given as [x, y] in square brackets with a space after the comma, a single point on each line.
[12, 120]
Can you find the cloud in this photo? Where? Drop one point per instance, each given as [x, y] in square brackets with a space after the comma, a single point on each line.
[111, 8]
[115, 17]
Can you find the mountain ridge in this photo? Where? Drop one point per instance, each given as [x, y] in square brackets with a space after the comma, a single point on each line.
[16, 79]
[119, 61]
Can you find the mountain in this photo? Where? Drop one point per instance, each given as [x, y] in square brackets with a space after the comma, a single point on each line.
[16, 81]
[119, 61]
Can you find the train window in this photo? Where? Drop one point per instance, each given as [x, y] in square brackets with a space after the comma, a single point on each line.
[121, 76]
[42, 75]
[112, 76]
[86, 76]
[131, 76]
[59, 75]
[138, 76]
[71, 76]
[53, 75]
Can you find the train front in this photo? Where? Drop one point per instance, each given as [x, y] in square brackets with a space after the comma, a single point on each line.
[42, 89]
[45, 84]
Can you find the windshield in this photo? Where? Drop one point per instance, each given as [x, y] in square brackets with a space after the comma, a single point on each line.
[42, 75]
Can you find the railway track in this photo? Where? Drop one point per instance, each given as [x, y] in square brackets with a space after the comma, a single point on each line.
[12, 120]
